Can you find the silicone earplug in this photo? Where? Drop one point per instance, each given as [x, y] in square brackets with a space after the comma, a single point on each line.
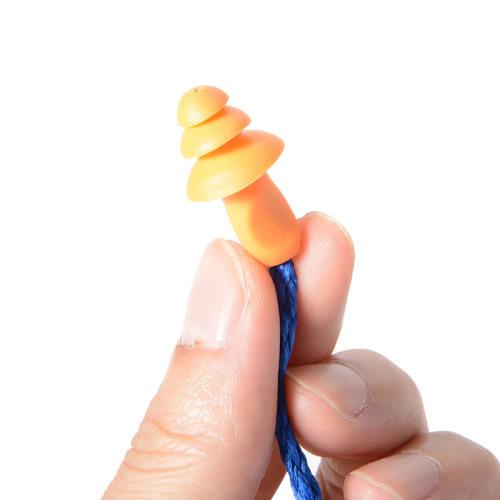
[233, 165]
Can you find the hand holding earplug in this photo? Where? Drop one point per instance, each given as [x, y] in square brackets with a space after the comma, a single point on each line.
[209, 431]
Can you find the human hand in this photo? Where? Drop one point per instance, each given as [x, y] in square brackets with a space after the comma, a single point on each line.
[209, 431]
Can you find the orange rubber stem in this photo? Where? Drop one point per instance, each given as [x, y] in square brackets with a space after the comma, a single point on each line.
[264, 222]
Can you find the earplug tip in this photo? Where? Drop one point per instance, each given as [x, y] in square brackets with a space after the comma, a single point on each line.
[199, 104]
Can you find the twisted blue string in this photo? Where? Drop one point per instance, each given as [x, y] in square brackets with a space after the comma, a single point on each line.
[303, 482]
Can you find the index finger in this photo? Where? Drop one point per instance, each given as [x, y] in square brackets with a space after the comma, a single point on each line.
[324, 268]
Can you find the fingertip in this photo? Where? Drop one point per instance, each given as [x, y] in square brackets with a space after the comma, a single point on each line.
[324, 267]
[217, 298]
[331, 224]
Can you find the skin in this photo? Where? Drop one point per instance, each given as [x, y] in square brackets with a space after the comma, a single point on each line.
[218, 405]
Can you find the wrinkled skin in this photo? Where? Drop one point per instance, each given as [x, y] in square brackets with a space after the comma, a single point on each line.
[356, 409]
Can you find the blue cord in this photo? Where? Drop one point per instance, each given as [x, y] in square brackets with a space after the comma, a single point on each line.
[302, 480]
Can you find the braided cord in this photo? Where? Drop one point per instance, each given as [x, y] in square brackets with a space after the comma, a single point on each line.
[303, 482]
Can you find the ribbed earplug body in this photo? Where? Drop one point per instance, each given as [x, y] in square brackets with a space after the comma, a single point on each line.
[232, 164]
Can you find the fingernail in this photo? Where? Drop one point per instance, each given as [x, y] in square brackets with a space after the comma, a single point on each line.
[336, 222]
[342, 388]
[217, 298]
[408, 476]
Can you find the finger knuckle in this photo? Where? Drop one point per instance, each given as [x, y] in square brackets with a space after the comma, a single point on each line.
[178, 439]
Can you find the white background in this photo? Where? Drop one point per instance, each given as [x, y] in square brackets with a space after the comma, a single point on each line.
[390, 112]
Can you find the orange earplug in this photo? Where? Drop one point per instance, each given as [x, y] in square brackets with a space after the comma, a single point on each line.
[233, 165]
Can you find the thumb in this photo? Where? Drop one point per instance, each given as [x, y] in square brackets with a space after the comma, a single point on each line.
[209, 431]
